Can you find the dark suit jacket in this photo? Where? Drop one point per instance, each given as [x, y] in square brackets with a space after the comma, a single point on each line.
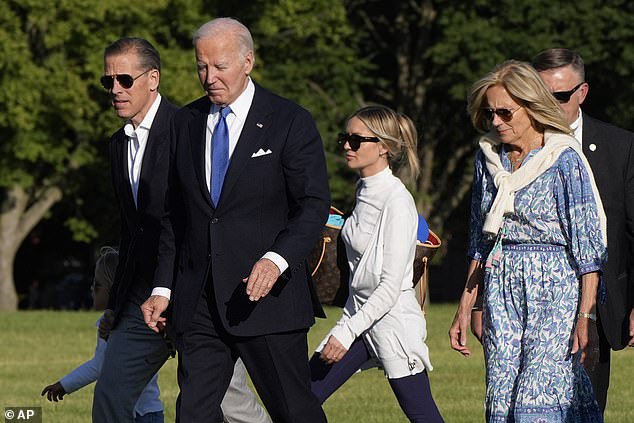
[276, 202]
[140, 227]
[612, 163]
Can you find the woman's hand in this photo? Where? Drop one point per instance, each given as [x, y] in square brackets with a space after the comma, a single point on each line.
[333, 351]
[586, 340]
[462, 320]
[585, 337]
[458, 331]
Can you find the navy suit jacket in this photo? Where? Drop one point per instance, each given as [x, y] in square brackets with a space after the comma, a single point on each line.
[140, 226]
[275, 202]
[610, 152]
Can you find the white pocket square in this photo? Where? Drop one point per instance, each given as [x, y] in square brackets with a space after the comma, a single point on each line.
[261, 152]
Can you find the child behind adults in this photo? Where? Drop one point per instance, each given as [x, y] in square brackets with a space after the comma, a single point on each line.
[148, 408]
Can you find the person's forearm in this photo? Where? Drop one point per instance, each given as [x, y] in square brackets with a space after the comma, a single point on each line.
[475, 276]
[589, 285]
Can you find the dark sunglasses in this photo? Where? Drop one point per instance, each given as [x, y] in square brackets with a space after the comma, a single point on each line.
[354, 140]
[564, 96]
[126, 81]
[504, 114]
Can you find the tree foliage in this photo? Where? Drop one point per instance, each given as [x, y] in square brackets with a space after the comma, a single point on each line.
[55, 118]
[426, 54]
[331, 56]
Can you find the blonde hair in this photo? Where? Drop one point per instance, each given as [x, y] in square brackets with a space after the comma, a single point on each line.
[105, 268]
[526, 88]
[398, 134]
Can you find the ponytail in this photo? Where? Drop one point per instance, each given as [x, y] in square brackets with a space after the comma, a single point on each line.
[410, 167]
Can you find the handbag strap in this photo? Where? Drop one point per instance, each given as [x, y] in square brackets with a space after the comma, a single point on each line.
[422, 285]
[324, 240]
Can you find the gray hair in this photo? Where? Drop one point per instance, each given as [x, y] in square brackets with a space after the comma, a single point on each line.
[226, 26]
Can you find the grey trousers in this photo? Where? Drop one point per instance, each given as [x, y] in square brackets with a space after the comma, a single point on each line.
[240, 404]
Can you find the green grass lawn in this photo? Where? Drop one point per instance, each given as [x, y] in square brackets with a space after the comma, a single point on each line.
[37, 348]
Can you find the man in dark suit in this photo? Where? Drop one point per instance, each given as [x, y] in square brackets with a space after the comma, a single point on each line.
[242, 288]
[138, 152]
[610, 152]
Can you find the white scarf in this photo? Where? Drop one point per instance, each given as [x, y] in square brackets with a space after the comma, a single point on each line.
[509, 183]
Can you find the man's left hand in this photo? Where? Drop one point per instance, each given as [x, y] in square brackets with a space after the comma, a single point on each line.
[261, 279]
[152, 309]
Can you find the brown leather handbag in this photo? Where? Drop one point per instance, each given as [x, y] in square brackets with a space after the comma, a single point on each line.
[425, 251]
[330, 269]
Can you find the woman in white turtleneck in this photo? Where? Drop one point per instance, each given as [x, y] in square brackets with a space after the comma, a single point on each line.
[382, 320]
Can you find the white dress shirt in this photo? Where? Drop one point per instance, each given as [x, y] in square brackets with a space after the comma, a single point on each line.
[235, 121]
[577, 128]
[137, 141]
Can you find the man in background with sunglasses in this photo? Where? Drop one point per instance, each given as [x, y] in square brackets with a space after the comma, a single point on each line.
[610, 152]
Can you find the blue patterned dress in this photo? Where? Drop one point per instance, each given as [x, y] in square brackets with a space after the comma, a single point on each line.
[532, 293]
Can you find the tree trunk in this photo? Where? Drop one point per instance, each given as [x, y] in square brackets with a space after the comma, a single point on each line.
[20, 211]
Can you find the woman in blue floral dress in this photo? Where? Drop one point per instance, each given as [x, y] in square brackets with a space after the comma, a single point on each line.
[537, 245]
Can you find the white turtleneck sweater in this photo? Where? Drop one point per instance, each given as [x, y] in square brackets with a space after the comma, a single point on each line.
[380, 239]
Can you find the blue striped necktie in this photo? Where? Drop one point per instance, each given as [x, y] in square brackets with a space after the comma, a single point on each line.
[219, 155]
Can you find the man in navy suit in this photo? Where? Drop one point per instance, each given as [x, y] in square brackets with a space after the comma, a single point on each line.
[138, 154]
[610, 152]
[242, 287]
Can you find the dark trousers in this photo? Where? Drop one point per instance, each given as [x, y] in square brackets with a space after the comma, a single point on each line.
[412, 392]
[151, 417]
[277, 364]
[600, 375]
[133, 355]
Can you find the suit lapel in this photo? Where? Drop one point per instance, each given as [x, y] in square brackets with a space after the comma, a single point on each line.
[197, 133]
[153, 150]
[122, 175]
[255, 127]
[590, 136]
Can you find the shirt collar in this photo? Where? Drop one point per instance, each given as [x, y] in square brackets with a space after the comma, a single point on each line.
[577, 127]
[240, 107]
[146, 123]
[574, 125]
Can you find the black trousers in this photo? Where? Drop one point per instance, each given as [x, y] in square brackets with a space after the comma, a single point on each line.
[277, 364]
